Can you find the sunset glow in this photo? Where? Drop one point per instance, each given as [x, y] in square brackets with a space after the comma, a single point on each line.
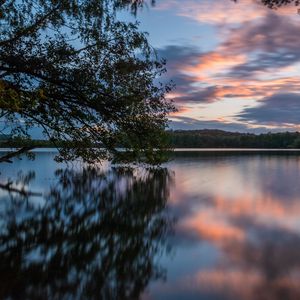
[239, 53]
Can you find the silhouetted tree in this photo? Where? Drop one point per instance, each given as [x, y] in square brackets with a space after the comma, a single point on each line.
[72, 69]
[96, 235]
[277, 3]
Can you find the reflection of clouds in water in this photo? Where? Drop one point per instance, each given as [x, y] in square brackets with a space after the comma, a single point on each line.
[236, 177]
[254, 226]
[237, 234]
[267, 267]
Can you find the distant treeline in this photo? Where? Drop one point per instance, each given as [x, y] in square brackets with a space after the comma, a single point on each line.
[224, 139]
[194, 139]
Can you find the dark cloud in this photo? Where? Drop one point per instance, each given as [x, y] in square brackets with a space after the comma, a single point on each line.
[272, 43]
[273, 33]
[277, 109]
[266, 61]
[178, 58]
[207, 95]
[179, 55]
[185, 123]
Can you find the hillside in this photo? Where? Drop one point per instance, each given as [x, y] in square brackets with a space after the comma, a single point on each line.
[223, 139]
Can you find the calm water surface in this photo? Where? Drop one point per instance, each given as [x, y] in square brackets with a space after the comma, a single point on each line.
[211, 226]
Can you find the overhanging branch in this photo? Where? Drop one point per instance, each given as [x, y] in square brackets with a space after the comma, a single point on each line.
[9, 188]
[7, 157]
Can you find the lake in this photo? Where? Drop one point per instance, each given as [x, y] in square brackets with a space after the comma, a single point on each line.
[211, 225]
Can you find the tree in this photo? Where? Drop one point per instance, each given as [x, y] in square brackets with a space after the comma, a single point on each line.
[83, 77]
[277, 3]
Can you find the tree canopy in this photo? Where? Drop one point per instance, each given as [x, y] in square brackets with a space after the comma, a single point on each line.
[74, 70]
[278, 3]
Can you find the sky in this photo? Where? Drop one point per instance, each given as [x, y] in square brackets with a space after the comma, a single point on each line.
[236, 66]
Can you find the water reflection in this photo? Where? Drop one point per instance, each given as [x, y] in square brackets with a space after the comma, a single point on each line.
[95, 235]
[238, 220]
[104, 234]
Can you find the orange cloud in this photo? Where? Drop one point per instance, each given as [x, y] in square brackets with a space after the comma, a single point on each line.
[214, 62]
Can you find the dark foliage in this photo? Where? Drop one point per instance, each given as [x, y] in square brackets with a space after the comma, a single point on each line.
[277, 3]
[72, 69]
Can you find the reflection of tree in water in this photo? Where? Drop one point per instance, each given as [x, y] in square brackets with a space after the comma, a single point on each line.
[95, 237]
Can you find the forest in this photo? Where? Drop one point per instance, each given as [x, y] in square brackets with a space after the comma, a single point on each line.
[207, 138]
[225, 139]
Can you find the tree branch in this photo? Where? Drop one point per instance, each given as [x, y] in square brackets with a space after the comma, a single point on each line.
[7, 187]
[31, 28]
[7, 157]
